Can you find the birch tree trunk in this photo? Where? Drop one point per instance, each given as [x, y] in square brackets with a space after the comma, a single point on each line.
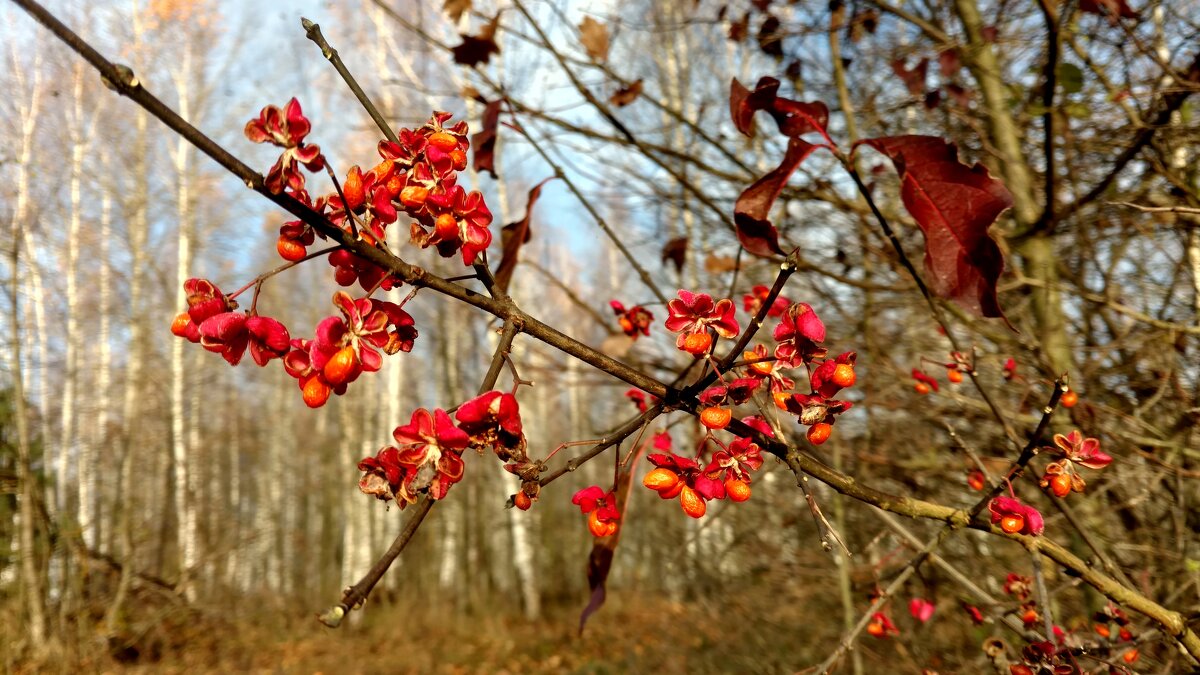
[138, 230]
[80, 139]
[355, 542]
[448, 569]
[521, 523]
[90, 510]
[183, 495]
[31, 581]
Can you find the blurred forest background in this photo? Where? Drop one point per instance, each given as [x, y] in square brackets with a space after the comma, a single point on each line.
[187, 515]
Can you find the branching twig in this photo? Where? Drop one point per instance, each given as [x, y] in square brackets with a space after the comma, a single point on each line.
[1039, 580]
[885, 595]
[929, 299]
[354, 596]
[313, 31]
[643, 275]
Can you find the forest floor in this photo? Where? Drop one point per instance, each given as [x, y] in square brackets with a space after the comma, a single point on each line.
[631, 634]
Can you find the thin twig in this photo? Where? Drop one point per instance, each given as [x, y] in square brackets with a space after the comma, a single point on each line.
[929, 298]
[617, 124]
[313, 31]
[622, 432]
[933, 544]
[1158, 209]
[960, 577]
[354, 596]
[1040, 582]
[885, 595]
[642, 274]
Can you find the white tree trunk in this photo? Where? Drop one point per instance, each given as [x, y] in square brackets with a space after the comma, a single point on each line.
[355, 541]
[79, 142]
[31, 588]
[184, 481]
[89, 506]
[138, 232]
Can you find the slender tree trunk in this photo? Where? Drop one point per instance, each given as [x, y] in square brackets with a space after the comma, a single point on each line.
[138, 230]
[1037, 250]
[452, 534]
[90, 510]
[51, 563]
[521, 523]
[273, 527]
[234, 535]
[183, 494]
[355, 542]
[31, 579]
[79, 142]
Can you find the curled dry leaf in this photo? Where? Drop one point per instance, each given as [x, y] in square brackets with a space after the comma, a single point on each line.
[626, 95]
[914, 78]
[739, 28]
[794, 118]
[484, 141]
[514, 236]
[770, 41]
[675, 251]
[719, 264]
[754, 229]
[600, 559]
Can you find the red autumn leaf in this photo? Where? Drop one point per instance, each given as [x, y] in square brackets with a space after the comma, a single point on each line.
[484, 141]
[794, 118]
[914, 80]
[949, 62]
[754, 229]
[476, 49]
[675, 251]
[515, 235]
[626, 95]
[954, 204]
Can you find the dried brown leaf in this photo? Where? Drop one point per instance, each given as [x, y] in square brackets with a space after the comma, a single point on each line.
[456, 8]
[626, 95]
[594, 37]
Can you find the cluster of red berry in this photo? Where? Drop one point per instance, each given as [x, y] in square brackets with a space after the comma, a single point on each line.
[699, 321]
[418, 177]
[427, 457]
